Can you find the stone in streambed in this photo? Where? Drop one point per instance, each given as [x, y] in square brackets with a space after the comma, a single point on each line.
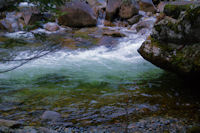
[10, 123]
[51, 26]
[51, 116]
[114, 34]
[134, 19]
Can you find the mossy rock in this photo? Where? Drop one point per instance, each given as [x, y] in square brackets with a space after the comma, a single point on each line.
[174, 9]
[183, 60]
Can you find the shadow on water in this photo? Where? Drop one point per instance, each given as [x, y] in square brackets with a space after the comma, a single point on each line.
[98, 103]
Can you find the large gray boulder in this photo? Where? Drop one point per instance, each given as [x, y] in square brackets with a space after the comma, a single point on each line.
[122, 9]
[112, 9]
[128, 9]
[174, 44]
[77, 14]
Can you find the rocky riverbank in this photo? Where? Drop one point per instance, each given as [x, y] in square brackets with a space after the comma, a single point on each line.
[174, 42]
[92, 78]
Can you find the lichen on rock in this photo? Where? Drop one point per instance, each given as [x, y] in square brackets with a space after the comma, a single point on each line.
[174, 44]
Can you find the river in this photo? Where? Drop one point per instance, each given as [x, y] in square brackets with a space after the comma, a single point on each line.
[110, 88]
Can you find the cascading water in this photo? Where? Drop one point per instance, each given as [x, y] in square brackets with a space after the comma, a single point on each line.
[97, 86]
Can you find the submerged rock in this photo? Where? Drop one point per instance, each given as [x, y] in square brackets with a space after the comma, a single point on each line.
[175, 44]
[114, 34]
[77, 14]
[51, 116]
[9, 123]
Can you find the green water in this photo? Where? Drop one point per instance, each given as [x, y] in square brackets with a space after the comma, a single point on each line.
[94, 87]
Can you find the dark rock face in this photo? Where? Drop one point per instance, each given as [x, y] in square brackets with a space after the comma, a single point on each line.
[128, 9]
[122, 9]
[174, 44]
[112, 9]
[174, 9]
[77, 14]
[6, 3]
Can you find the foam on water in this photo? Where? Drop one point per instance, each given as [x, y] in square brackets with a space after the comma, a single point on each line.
[122, 62]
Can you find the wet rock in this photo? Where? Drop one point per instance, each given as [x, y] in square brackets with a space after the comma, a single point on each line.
[134, 19]
[109, 23]
[174, 9]
[122, 9]
[174, 44]
[2, 27]
[107, 41]
[112, 9]
[51, 26]
[12, 22]
[97, 6]
[77, 14]
[161, 6]
[51, 116]
[128, 9]
[147, 6]
[31, 15]
[146, 24]
[9, 123]
[114, 34]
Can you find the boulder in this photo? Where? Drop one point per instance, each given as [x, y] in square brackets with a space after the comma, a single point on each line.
[31, 15]
[146, 24]
[77, 14]
[97, 6]
[120, 8]
[51, 116]
[174, 44]
[51, 26]
[128, 9]
[174, 9]
[114, 33]
[134, 19]
[9, 123]
[112, 9]
[147, 6]
[12, 22]
[2, 27]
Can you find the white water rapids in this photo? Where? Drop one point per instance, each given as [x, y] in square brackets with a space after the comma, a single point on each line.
[118, 64]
